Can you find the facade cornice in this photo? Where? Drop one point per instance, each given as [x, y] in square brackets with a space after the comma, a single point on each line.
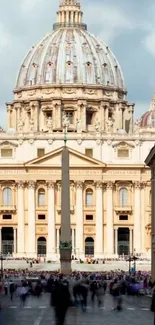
[72, 136]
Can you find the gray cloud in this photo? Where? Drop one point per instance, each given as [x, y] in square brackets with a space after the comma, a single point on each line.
[127, 26]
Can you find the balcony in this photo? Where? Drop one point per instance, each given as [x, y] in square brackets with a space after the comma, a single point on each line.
[90, 207]
[123, 208]
[72, 209]
[7, 208]
[41, 208]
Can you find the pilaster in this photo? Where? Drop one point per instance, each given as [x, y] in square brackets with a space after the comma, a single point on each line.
[51, 249]
[137, 217]
[79, 220]
[31, 220]
[21, 221]
[110, 228]
[99, 220]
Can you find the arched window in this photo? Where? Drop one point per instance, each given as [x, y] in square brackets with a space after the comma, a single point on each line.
[89, 196]
[41, 196]
[123, 196]
[7, 196]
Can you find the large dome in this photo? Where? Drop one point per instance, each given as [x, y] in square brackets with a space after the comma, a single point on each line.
[70, 55]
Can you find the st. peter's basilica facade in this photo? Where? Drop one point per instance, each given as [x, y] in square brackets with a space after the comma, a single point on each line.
[72, 78]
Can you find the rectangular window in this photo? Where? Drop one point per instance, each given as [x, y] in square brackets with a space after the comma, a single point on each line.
[6, 153]
[40, 152]
[123, 153]
[89, 118]
[7, 216]
[89, 217]
[89, 152]
[123, 217]
[41, 217]
[69, 115]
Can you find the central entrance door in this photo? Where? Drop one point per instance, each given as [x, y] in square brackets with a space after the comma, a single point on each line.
[89, 246]
[7, 241]
[41, 246]
[123, 241]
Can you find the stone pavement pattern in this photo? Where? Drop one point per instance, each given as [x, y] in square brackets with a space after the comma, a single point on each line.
[38, 312]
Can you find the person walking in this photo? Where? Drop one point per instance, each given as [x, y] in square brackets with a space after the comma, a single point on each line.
[60, 300]
[6, 286]
[12, 289]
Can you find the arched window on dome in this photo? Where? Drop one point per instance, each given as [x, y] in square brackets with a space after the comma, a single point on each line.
[49, 74]
[7, 196]
[69, 72]
[33, 74]
[123, 196]
[89, 74]
[41, 196]
[89, 197]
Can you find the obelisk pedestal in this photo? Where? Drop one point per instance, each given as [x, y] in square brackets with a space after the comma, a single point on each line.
[65, 235]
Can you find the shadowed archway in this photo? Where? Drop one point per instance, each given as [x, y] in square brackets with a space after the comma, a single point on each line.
[89, 246]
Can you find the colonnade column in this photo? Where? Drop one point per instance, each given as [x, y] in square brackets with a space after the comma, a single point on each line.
[31, 220]
[21, 221]
[116, 241]
[51, 221]
[79, 220]
[15, 239]
[73, 241]
[0, 239]
[137, 218]
[99, 220]
[131, 241]
[58, 239]
[142, 205]
[110, 229]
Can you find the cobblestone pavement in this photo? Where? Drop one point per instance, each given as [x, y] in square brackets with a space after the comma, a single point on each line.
[38, 312]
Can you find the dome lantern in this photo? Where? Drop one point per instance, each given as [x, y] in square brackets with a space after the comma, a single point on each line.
[69, 15]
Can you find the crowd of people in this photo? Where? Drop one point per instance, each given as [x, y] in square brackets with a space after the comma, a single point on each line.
[75, 289]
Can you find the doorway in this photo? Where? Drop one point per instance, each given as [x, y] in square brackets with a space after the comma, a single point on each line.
[7, 241]
[89, 246]
[123, 241]
[41, 246]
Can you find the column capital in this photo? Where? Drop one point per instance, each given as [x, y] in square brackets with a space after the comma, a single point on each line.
[137, 185]
[143, 185]
[20, 184]
[31, 184]
[109, 185]
[99, 184]
[79, 184]
[50, 184]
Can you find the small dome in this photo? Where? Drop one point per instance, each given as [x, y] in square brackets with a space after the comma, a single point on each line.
[70, 55]
[148, 118]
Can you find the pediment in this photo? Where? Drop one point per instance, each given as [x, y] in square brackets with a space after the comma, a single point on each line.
[123, 144]
[76, 159]
[8, 144]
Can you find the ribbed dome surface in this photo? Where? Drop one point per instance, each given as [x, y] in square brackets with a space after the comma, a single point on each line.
[70, 56]
[148, 118]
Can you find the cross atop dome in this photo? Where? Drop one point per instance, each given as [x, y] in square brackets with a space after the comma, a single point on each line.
[69, 15]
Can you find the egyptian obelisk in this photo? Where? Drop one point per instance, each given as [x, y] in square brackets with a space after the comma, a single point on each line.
[65, 235]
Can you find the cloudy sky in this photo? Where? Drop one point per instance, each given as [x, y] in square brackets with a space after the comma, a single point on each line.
[128, 26]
